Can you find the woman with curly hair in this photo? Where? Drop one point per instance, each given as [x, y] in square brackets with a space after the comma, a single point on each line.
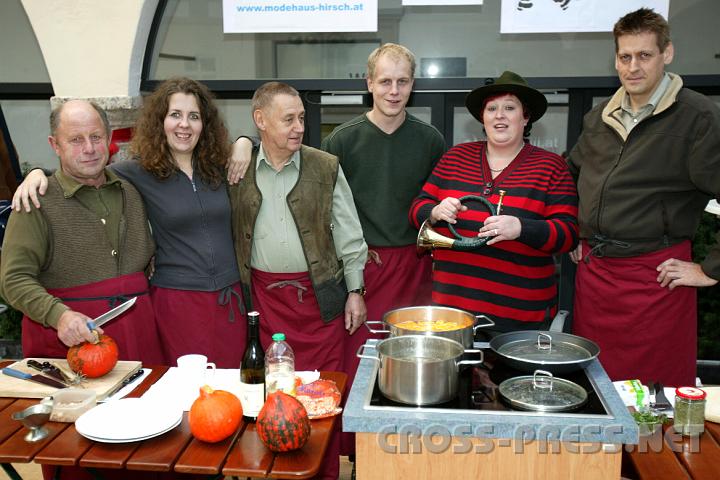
[180, 149]
[181, 146]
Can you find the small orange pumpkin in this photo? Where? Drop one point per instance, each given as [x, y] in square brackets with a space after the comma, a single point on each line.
[214, 415]
[93, 359]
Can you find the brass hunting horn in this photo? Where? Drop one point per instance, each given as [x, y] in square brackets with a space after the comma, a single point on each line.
[429, 239]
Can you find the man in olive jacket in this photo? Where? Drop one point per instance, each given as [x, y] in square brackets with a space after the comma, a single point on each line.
[647, 163]
[298, 241]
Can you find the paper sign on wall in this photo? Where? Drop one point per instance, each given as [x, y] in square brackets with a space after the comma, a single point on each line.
[409, 3]
[546, 16]
[268, 16]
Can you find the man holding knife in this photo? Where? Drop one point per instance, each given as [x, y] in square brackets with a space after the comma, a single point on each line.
[84, 252]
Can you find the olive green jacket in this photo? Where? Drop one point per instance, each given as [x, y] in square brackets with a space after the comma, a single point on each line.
[310, 201]
[68, 243]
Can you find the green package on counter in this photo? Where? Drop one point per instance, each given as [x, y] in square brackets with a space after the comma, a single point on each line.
[633, 393]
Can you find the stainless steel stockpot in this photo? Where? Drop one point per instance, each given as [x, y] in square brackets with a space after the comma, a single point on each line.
[419, 369]
[467, 323]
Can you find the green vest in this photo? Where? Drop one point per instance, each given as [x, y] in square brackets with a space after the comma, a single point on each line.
[310, 202]
[80, 251]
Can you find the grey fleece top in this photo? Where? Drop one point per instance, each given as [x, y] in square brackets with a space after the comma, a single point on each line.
[192, 229]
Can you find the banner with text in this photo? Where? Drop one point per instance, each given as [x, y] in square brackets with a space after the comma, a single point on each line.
[268, 16]
[442, 3]
[548, 16]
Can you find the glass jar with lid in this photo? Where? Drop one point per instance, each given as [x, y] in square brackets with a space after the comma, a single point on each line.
[689, 411]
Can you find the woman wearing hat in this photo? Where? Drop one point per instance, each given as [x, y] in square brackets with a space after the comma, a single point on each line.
[512, 277]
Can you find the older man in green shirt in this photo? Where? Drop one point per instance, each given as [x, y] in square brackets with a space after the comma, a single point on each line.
[84, 251]
[299, 243]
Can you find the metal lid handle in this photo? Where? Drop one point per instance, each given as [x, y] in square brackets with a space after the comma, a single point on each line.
[543, 379]
[544, 346]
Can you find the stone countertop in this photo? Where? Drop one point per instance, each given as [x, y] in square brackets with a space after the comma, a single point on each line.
[618, 427]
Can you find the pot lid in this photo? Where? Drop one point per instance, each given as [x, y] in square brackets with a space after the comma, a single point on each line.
[542, 392]
[544, 349]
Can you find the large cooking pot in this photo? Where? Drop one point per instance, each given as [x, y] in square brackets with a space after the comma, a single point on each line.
[558, 352]
[419, 369]
[445, 322]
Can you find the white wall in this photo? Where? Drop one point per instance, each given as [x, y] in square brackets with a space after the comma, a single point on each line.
[92, 48]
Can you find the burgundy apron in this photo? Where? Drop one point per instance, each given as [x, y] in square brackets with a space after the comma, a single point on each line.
[134, 331]
[287, 304]
[644, 331]
[400, 279]
[208, 323]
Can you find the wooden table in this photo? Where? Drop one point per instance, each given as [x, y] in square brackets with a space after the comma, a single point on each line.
[669, 456]
[241, 455]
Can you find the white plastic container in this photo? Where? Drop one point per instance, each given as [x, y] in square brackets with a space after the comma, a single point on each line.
[69, 403]
[279, 366]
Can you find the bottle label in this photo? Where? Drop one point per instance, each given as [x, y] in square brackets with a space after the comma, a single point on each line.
[252, 398]
[282, 380]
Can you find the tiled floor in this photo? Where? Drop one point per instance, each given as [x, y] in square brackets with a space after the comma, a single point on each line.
[27, 471]
[32, 471]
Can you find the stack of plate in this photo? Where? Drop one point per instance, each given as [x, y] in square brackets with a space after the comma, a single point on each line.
[128, 420]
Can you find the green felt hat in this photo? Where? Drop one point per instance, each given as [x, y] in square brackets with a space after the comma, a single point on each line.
[508, 82]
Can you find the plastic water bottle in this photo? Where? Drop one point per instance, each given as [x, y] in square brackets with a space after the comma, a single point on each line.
[279, 366]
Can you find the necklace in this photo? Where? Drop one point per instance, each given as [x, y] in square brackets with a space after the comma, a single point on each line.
[498, 170]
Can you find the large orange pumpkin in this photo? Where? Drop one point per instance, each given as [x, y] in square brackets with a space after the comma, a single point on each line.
[283, 423]
[214, 415]
[93, 359]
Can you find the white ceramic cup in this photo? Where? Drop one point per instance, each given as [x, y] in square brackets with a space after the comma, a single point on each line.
[194, 370]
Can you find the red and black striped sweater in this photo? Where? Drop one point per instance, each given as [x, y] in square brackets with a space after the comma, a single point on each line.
[511, 281]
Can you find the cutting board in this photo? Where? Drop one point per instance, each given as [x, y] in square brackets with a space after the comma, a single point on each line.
[15, 387]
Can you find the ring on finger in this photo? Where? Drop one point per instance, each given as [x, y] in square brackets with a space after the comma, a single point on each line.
[496, 232]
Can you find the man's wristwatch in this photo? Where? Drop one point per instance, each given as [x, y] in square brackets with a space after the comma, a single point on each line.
[360, 291]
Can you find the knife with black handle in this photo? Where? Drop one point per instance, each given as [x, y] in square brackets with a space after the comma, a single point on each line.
[661, 401]
[33, 378]
[49, 369]
[125, 383]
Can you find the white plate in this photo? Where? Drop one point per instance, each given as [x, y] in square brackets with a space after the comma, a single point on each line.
[127, 419]
[128, 440]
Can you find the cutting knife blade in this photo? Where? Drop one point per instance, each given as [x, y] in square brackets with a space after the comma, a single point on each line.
[109, 315]
[125, 383]
[33, 378]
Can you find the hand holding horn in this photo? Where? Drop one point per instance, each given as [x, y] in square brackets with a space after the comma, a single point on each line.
[429, 239]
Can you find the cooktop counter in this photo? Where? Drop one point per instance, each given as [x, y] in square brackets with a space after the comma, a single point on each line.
[603, 421]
